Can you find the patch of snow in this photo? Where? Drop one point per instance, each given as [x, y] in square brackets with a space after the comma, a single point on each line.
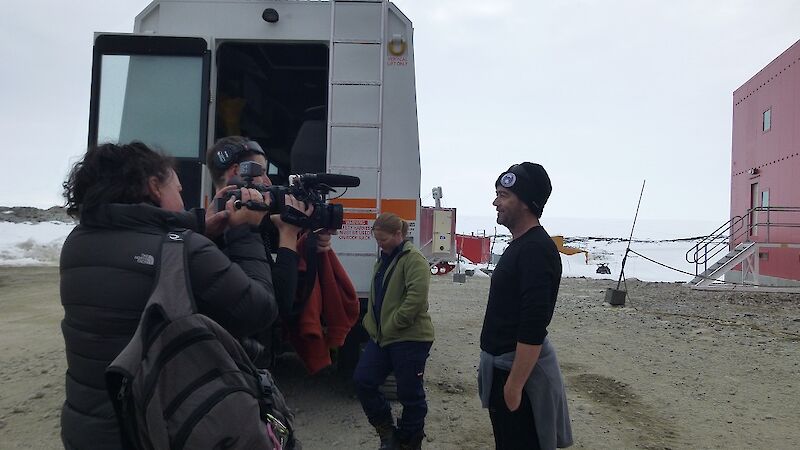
[40, 244]
[28, 244]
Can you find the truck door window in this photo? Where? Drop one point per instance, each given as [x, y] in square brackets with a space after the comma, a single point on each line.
[154, 99]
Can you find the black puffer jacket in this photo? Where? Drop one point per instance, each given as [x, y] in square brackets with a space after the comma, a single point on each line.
[108, 265]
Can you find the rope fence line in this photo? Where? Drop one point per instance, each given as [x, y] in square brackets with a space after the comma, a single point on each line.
[685, 272]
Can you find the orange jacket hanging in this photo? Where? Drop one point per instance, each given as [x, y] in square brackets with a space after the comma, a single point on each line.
[333, 302]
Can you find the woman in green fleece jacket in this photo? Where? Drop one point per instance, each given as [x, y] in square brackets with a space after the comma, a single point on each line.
[401, 334]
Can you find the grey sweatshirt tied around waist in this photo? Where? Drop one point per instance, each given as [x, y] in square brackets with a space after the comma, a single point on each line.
[545, 389]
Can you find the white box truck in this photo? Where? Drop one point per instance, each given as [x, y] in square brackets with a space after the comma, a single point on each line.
[323, 86]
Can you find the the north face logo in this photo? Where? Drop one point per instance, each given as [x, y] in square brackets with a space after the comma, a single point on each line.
[144, 258]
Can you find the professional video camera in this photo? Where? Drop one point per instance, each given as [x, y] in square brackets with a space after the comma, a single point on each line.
[310, 188]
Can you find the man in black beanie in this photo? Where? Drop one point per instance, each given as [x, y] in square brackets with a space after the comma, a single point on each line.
[519, 379]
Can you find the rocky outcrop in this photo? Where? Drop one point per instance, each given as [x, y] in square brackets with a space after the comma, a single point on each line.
[21, 214]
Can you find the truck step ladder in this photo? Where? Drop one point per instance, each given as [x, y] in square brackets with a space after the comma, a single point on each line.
[355, 114]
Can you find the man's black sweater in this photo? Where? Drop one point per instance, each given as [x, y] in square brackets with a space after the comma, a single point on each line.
[523, 293]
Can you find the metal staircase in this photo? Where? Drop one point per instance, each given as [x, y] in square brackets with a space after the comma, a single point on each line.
[750, 232]
[724, 265]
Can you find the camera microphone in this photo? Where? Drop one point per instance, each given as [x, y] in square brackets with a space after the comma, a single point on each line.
[330, 179]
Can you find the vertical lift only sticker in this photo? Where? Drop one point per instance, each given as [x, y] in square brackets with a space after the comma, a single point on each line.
[356, 229]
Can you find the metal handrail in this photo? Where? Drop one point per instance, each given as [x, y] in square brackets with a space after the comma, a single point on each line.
[708, 246]
[733, 230]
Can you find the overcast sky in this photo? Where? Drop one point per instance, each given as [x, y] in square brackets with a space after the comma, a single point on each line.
[603, 93]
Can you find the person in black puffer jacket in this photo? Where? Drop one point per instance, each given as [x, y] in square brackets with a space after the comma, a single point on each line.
[126, 198]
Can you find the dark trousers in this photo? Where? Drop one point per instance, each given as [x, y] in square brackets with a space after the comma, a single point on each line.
[407, 360]
[512, 430]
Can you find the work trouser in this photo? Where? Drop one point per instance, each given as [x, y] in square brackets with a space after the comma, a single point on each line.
[407, 360]
[512, 430]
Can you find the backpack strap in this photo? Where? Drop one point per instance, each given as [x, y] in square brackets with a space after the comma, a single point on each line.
[173, 291]
[170, 299]
[388, 276]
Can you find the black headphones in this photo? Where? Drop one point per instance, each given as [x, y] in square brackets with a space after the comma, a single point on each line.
[230, 153]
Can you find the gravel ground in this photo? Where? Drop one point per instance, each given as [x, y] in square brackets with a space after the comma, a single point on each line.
[674, 368]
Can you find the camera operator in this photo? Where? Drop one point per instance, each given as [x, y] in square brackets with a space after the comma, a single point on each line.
[126, 198]
[224, 160]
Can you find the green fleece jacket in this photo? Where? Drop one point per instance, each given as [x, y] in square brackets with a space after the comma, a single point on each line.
[404, 311]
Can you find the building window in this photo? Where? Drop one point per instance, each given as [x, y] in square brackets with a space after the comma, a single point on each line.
[766, 122]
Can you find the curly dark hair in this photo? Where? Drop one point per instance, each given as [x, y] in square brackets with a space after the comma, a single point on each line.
[111, 173]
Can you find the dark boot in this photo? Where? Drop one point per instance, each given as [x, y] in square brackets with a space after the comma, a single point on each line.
[386, 432]
[410, 443]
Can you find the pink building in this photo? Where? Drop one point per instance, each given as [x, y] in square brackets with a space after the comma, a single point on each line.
[765, 173]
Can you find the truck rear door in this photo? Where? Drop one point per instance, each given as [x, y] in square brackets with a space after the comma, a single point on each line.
[153, 89]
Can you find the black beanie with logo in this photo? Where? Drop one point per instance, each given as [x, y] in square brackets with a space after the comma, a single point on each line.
[530, 182]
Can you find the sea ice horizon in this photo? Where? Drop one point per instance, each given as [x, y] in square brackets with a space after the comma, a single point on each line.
[39, 244]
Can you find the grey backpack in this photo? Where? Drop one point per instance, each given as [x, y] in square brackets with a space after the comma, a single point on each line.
[184, 382]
